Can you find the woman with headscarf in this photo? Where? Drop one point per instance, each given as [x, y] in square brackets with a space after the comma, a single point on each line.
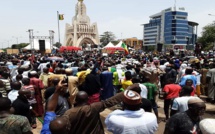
[181, 72]
[92, 87]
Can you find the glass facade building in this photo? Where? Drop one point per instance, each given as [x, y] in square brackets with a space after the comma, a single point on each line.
[170, 27]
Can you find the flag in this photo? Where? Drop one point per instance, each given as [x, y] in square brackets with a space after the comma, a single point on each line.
[125, 48]
[61, 17]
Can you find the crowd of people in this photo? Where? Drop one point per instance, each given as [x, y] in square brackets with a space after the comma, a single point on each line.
[68, 95]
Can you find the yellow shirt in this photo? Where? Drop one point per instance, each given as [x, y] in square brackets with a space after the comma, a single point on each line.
[126, 83]
[44, 78]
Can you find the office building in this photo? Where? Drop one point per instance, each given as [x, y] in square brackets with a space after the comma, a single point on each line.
[170, 27]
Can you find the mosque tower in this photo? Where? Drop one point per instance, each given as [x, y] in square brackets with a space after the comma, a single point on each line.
[81, 32]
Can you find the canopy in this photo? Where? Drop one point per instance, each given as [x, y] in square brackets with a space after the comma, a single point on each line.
[36, 45]
[109, 45]
[55, 58]
[119, 44]
[69, 48]
[114, 48]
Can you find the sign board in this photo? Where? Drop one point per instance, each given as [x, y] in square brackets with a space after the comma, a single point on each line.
[12, 51]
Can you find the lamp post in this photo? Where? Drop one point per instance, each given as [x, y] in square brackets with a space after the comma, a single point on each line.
[17, 39]
[143, 35]
[2, 44]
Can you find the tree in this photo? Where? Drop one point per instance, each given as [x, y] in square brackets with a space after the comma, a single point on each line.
[57, 44]
[208, 36]
[19, 46]
[106, 37]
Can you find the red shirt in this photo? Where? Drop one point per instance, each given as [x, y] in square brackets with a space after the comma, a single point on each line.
[51, 70]
[172, 90]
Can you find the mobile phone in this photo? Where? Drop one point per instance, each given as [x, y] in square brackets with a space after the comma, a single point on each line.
[65, 81]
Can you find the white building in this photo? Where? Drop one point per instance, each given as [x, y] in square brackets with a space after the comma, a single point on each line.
[81, 31]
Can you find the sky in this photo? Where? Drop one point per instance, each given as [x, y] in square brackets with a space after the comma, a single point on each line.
[122, 17]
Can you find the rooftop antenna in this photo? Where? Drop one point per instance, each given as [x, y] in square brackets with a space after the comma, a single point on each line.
[175, 5]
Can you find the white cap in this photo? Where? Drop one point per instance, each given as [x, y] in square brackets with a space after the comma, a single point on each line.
[207, 126]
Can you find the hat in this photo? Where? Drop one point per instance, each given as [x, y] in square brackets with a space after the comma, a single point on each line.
[33, 72]
[207, 126]
[131, 97]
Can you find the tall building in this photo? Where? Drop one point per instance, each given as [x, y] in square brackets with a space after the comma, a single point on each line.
[170, 27]
[81, 32]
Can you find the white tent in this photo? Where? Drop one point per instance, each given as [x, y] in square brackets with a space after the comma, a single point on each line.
[36, 45]
[119, 44]
[109, 45]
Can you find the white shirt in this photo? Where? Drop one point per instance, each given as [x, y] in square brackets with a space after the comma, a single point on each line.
[166, 63]
[180, 103]
[25, 73]
[144, 91]
[14, 77]
[131, 122]
[41, 66]
[13, 94]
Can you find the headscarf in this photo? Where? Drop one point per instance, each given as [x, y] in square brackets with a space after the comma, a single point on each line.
[177, 63]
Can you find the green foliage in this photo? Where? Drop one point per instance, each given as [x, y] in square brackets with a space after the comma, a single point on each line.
[115, 42]
[19, 46]
[208, 36]
[106, 37]
[57, 44]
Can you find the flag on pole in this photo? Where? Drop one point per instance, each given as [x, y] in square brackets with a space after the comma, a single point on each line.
[61, 17]
[125, 48]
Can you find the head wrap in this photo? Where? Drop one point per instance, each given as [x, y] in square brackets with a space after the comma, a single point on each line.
[131, 97]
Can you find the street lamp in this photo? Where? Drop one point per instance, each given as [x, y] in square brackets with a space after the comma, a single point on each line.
[8, 41]
[2, 44]
[17, 39]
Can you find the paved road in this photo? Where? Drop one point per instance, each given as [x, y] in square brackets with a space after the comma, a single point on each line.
[210, 113]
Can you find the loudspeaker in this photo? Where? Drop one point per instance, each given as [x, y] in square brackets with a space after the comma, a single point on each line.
[42, 45]
[159, 47]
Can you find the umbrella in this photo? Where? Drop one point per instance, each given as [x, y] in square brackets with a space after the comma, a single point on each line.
[55, 58]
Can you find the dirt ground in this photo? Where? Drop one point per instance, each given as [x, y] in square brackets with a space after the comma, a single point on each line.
[210, 113]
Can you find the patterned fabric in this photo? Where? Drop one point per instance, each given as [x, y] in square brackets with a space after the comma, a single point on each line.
[3, 92]
[39, 86]
[14, 124]
[7, 84]
[30, 88]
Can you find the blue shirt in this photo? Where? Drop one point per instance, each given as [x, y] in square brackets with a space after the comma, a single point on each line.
[49, 116]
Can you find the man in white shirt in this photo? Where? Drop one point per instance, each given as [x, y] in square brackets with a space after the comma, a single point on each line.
[180, 104]
[14, 93]
[136, 83]
[133, 119]
[20, 71]
[42, 65]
